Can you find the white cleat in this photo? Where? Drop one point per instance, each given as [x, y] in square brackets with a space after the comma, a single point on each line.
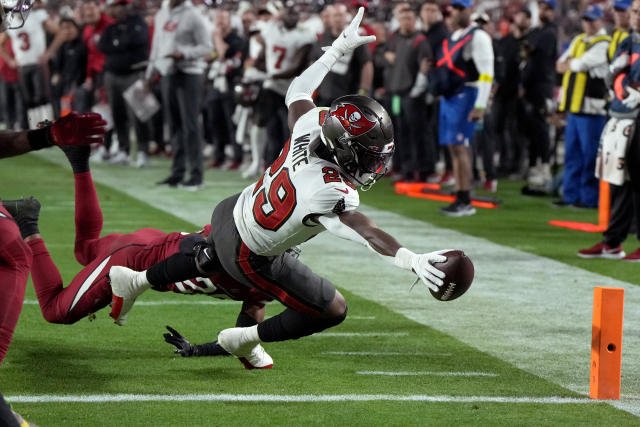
[251, 353]
[126, 286]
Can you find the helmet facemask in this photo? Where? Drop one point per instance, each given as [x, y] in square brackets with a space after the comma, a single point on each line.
[13, 13]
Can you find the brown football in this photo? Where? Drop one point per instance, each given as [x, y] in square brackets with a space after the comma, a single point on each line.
[459, 275]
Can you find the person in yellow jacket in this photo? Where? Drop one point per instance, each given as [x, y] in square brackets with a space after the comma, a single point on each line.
[621, 30]
[584, 99]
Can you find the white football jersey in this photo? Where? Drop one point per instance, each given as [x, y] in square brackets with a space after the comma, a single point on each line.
[274, 214]
[30, 41]
[281, 46]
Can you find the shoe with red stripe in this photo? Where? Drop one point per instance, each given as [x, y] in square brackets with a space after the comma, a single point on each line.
[633, 256]
[238, 342]
[126, 286]
[602, 250]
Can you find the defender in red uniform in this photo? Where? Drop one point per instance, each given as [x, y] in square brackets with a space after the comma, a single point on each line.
[90, 290]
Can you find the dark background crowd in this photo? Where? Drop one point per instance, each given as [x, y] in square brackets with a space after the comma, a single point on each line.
[220, 70]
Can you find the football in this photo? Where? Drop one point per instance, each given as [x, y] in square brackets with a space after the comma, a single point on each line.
[459, 275]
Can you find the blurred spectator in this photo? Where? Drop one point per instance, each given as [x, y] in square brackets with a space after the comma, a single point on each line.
[95, 21]
[406, 49]
[29, 44]
[463, 77]
[92, 90]
[286, 49]
[125, 44]
[226, 70]
[625, 198]
[69, 65]
[538, 81]
[584, 98]
[621, 29]
[436, 31]
[180, 42]
[13, 112]
[352, 73]
[510, 51]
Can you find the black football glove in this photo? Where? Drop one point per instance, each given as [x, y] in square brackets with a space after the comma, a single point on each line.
[183, 346]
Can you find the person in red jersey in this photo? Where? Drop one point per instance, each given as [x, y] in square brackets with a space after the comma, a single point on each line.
[90, 289]
[15, 255]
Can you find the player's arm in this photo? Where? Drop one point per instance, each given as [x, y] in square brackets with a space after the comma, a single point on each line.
[73, 129]
[255, 313]
[299, 96]
[357, 227]
[482, 55]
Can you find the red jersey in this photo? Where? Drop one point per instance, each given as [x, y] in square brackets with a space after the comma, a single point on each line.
[91, 35]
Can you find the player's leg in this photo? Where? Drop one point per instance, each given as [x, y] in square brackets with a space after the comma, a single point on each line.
[15, 263]
[87, 293]
[88, 215]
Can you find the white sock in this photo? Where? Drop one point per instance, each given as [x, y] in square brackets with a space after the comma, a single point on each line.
[251, 334]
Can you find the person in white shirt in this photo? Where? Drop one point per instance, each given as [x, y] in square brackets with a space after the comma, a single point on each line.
[180, 43]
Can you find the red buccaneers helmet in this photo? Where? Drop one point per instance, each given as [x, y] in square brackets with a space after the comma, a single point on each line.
[359, 134]
[13, 13]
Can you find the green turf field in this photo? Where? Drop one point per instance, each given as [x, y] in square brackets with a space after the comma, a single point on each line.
[377, 368]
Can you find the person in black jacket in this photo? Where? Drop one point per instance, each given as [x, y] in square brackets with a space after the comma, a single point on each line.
[434, 28]
[538, 80]
[230, 52]
[125, 44]
[69, 65]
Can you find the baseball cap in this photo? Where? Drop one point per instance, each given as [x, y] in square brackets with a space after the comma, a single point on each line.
[551, 3]
[463, 3]
[480, 18]
[622, 4]
[593, 12]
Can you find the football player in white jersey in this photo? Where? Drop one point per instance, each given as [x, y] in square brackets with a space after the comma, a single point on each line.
[286, 48]
[29, 44]
[310, 188]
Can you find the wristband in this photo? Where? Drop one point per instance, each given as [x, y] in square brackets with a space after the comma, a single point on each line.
[39, 138]
[403, 258]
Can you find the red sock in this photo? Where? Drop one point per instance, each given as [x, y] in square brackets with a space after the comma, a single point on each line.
[46, 279]
[88, 217]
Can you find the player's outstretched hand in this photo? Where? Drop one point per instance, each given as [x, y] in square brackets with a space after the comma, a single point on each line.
[422, 265]
[78, 129]
[183, 346]
[349, 40]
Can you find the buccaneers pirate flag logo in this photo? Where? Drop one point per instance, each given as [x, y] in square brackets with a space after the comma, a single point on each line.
[352, 119]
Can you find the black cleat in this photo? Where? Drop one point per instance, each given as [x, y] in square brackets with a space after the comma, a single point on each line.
[170, 181]
[25, 212]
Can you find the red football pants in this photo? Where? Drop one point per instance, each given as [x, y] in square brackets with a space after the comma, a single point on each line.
[15, 263]
[90, 290]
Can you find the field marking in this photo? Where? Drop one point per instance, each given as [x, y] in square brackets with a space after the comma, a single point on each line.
[103, 398]
[538, 320]
[381, 353]
[361, 317]
[360, 334]
[160, 303]
[427, 373]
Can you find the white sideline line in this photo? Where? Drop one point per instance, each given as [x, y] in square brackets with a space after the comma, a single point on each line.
[102, 398]
[156, 303]
[381, 353]
[361, 317]
[428, 373]
[360, 334]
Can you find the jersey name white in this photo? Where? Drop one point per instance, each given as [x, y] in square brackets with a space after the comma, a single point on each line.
[30, 41]
[274, 214]
[281, 46]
